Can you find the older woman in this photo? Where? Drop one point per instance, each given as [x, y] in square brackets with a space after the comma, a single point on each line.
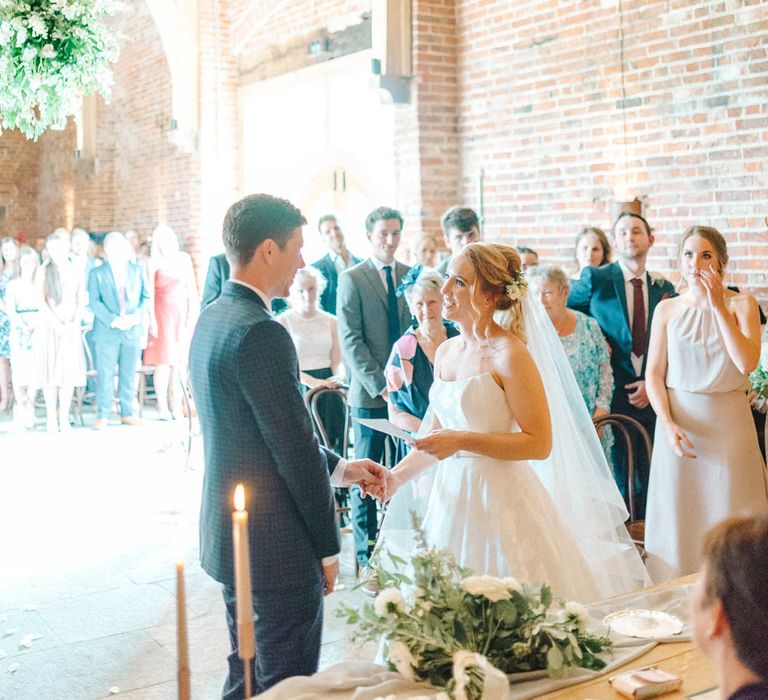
[592, 248]
[582, 340]
[409, 369]
[729, 607]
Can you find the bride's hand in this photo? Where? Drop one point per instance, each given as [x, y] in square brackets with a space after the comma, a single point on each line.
[439, 443]
[679, 440]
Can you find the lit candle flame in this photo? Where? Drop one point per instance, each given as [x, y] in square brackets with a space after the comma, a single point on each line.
[239, 497]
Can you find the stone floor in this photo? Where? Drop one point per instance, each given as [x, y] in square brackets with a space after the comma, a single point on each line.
[91, 525]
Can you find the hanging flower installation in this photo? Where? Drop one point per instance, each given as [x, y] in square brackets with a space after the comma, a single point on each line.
[52, 53]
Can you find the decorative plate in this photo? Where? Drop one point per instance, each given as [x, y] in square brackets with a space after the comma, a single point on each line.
[644, 624]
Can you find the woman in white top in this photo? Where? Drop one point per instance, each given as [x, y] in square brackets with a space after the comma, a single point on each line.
[317, 346]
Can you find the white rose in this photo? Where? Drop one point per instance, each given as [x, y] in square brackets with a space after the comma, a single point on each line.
[489, 586]
[48, 51]
[389, 603]
[400, 655]
[512, 584]
[576, 612]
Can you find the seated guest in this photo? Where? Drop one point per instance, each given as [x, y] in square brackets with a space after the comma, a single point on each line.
[528, 257]
[582, 340]
[409, 369]
[729, 607]
[334, 262]
[117, 295]
[592, 249]
[425, 251]
[460, 228]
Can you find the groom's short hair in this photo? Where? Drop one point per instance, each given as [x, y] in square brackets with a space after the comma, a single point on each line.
[253, 220]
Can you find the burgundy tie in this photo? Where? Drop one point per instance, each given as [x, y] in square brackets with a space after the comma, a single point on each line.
[639, 330]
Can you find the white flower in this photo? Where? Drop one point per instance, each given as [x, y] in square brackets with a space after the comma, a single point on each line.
[5, 33]
[512, 584]
[576, 612]
[21, 36]
[48, 51]
[657, 278]
[402, 659]
[489, 586]
[36, 24]
[28, 54]
[389, 603]
[71, 11]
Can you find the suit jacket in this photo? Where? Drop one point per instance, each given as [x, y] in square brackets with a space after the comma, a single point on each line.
[216, 278]
[104, 302]
[328, 268]
[361, 309]
[257, 431]
[601, 293]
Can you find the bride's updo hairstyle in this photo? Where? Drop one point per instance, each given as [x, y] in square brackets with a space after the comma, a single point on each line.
[497, 267]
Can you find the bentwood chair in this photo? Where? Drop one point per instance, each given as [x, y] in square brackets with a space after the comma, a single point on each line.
[630, 430]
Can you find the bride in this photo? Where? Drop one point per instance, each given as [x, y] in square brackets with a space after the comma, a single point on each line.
[557, 520]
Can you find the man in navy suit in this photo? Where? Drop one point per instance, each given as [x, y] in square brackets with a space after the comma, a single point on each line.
[333, 263]
[117, 293]
[622, 297]
[257, 431]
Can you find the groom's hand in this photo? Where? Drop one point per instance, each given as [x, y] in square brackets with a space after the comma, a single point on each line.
[365, 473]
[330, 574]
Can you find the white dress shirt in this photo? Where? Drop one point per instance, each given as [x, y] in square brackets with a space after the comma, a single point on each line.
[637, 361]
[339, 263]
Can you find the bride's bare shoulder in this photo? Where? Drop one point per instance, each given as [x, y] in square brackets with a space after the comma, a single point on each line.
[513, 355]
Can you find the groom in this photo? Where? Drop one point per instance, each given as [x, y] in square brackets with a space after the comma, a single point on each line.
[257, 431]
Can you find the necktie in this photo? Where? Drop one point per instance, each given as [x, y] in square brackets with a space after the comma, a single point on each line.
[639, 330]
[393, 315]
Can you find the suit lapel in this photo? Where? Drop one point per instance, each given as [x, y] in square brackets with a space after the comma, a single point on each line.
[372, 274]
[621, 293]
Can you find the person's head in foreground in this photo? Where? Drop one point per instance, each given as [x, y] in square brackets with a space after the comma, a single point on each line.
[729, 606]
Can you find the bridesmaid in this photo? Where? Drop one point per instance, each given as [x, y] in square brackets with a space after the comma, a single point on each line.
[706, 462]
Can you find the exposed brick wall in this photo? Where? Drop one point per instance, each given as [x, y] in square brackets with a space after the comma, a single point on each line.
[541, 111]
[19, 175]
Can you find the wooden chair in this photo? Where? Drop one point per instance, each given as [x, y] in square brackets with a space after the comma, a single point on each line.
[188, 407]
[628, 428]
[82, 394]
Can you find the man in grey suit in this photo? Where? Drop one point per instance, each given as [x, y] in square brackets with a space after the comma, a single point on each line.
[371, 317]
[257, 431]
[460, 228]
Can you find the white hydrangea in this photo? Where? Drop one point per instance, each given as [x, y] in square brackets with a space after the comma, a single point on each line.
[36, 24]
[71, 11]
[389, 603]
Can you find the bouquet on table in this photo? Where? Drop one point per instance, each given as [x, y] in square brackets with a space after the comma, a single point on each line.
[463, 633]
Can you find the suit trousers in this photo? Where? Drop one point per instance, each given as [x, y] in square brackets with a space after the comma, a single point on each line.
[288, 626]
[121, 350]
[647, 418]
[368, 443]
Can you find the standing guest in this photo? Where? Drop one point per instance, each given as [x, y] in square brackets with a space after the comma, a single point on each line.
[334, 262]
[61, 354]
[409, 371]
[528, 257]
[622, 298]
[216, 277]
[316, 338]
[117, 295]
[23, 302]
[256, 431]
[371, 319]
[592, 249]
[171, 285]
[583, 341]
[460, 228]
[425, 251]
[729, 607]
[9, 253]
[706, 463]
[83, 253]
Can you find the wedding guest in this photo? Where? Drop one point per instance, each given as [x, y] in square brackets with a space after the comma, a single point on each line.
[171, 284]
[592, 249]
[61, 354]
[528, 257]
[23, 303]
[460, 228]
[117, 295]
[706, 462]
[216, 278]
[583, 341]
[333, 263]
[9, 253]
[622, 297]
[410, 366]
[83, 253]
[425, 251]
[315, 335]
[729, 607]
[371, 319]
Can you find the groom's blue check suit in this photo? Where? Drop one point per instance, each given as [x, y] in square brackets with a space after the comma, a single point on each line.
[257, 431]
[600, 292]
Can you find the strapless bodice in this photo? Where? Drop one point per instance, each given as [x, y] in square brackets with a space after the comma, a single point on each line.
[476, 403]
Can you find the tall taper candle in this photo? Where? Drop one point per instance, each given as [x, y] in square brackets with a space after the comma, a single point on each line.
[182, 640]
[245, 636]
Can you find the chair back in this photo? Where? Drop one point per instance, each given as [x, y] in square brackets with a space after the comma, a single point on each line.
[311, 399]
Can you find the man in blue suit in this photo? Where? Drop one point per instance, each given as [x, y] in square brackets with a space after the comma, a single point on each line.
[257, 431]
[622, 297]
[117, 293]
[334, 262]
